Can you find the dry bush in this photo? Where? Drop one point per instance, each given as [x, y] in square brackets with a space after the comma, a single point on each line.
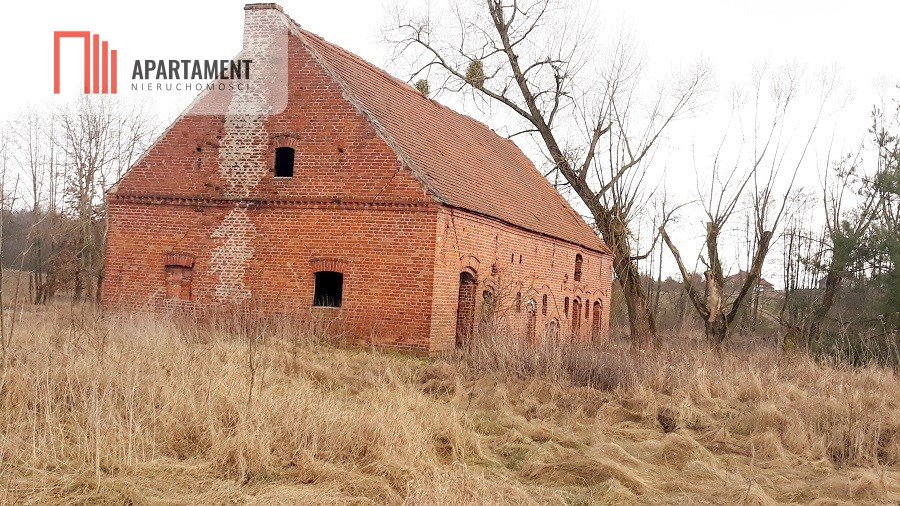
[216, 408]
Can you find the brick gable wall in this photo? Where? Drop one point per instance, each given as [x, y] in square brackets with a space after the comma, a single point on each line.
[207, 190]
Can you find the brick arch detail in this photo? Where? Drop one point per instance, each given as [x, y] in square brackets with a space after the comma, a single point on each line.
[469, 263]
[581, 291]
[173, 259]
[284, 141]
[327, 264]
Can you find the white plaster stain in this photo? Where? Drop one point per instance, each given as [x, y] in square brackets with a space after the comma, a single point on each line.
[243, 148]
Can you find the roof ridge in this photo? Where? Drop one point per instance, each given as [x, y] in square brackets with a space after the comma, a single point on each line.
[401, 83]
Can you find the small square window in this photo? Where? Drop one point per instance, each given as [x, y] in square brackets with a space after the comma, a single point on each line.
[329, 289]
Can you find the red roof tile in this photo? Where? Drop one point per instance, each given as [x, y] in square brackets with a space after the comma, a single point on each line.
[461, 162]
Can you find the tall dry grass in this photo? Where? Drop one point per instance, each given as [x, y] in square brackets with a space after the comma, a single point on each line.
[235, 408]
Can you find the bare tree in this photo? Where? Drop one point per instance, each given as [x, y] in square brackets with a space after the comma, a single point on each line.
[99, 138]
[536, 62]
[8, 191]
[754, 174]
[35, 156]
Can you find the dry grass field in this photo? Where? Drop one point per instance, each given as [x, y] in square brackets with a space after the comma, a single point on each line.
[145, 410]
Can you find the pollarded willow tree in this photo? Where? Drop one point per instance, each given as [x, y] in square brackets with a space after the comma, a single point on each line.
[754, 171]
[583, 111]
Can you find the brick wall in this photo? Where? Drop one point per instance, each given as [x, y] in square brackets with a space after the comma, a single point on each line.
[509, 261]
[384, 254]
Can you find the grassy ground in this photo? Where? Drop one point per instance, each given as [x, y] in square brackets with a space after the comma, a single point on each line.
[145, 411]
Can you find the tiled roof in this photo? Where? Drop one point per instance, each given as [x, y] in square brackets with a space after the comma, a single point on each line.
[463, 163]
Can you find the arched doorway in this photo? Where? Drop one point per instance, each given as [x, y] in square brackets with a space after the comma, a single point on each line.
[465, 310]
[576, 319]
[596, 325]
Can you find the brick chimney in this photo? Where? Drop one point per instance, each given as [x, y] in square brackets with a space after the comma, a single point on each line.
[262, 18]
[266, 33]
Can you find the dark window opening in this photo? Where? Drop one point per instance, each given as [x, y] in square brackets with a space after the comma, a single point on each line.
[544, 304]
[512, 258]
[578, 261]
[587, 304]
[518, 302]
[284, 162]
[329, 291]
[566, 306]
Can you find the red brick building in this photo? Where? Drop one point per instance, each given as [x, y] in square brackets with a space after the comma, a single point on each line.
[361, 199]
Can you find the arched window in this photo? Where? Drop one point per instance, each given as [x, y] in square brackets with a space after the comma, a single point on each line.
[531, 309]
[284, 162]
[566, 306]
[576, 318]
[578, 261]
[487, 303]
[597, 325]
[553, 330]
[518, 302]
[544, 304]
[329, 289]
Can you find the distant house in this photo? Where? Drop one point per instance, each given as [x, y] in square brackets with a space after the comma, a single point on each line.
[734, 283]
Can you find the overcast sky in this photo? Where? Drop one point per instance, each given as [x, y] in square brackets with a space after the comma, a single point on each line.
[857, 38]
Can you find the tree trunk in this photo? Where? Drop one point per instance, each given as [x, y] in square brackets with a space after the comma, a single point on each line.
[78, 286]
[640, 317]
[717, 330]
[840, 259]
